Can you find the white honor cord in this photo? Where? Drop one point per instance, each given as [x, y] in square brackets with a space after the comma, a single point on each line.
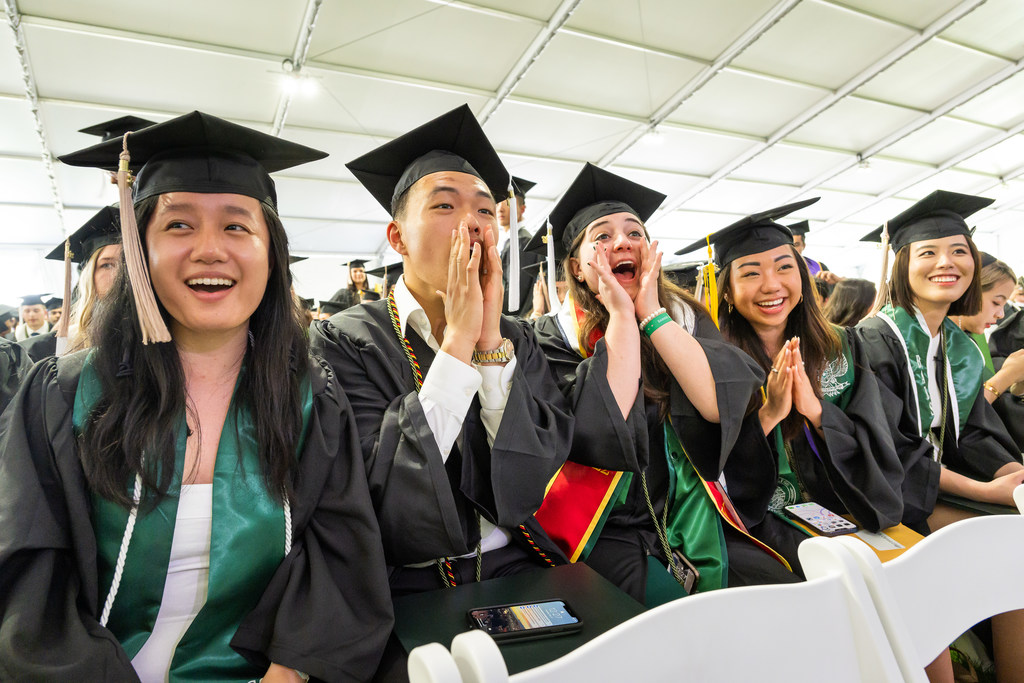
[287, 525]
[122, 554]
[513, 252]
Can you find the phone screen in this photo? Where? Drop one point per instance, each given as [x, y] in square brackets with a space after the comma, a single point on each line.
[514, 618]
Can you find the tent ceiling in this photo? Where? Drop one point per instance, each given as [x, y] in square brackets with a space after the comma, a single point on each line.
[867, 103]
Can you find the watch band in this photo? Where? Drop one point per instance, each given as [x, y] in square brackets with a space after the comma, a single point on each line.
[502, 354]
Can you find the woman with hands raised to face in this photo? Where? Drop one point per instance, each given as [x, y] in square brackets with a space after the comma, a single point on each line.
[820, 413]
[662, 410]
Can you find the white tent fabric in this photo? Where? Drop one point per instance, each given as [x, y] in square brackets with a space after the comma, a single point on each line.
[728, 107]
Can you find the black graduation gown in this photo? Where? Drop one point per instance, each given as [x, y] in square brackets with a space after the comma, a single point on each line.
[736, 446]
[983, 446]
[14, 365]
[858, 470]
[40, 346]
[346, 294]
[1008, 336]
[526, 278]
[427, 507]
[326, 611]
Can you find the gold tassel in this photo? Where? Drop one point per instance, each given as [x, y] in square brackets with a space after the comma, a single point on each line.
[62, 324]
[707, 273]
[151, 323]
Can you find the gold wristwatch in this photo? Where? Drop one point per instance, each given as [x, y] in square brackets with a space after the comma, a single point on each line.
[503, 354]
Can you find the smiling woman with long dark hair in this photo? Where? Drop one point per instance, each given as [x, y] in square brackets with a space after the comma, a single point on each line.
[186, 500]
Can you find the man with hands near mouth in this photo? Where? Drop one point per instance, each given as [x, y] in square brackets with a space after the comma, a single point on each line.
[460, 421]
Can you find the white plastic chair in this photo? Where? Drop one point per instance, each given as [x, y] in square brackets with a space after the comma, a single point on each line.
[1018, 498]
[432, 663]
[825, 629]
[943, 585]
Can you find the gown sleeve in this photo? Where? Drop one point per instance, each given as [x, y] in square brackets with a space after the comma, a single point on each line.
[49, 627]
[601, 437]
[886, 358]
[984, 445]
[14, 365]
[736, 446]
[327, 609]
[858, 458]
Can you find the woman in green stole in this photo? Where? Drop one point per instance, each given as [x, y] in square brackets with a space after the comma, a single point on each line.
[657, 392]
[1003, 376]
[186, 500]
[821, 412]
[929, 372]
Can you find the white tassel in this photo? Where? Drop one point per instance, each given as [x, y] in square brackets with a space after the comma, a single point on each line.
[513, 251]
[287, 526]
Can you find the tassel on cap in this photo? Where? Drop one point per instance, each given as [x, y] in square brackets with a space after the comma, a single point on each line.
[62, 324]
[151, 323]
[513, 249]
[709, 285]
[882, 292]
[549, 243]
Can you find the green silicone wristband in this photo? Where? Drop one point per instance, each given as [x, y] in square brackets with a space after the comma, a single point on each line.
[659, 320]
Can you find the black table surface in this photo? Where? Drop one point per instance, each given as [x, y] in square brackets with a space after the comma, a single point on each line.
[438, 616]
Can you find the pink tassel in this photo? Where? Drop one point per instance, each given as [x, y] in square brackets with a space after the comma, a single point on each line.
[151, 323]
[882, 293]
[62, 324]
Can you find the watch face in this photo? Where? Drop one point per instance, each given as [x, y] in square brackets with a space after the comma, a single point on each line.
[508, 350]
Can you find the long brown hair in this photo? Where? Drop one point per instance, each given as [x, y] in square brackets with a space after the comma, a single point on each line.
[653, 371]
[819, 341]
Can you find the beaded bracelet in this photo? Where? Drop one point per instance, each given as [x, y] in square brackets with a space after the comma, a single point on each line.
[651, 317]
[659, 320]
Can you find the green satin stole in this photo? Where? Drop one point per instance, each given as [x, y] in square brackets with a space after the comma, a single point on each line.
[964, 363]
[247, 545]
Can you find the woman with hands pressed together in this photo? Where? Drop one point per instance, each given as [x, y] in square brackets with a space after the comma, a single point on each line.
[821, 413]
[662, 411]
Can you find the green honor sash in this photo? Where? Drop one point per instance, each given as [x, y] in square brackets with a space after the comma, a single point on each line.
[247, 545]
[964, 364]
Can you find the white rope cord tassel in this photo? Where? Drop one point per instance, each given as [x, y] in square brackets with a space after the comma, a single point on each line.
[287, 526]
[122, 554]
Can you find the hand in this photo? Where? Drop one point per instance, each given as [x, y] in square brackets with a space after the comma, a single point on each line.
[1013, 367]
[804, 400]
[463, 298]
[779, 390]
[493, 292]
[610, 291]
[646, 301]
[540, 296]
[281, 674]
[828, 276]
[1000, 490]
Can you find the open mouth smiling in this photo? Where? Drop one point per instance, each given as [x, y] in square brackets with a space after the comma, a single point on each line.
[210, 284]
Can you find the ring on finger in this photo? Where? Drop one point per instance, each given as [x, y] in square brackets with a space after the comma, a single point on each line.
[775, 370]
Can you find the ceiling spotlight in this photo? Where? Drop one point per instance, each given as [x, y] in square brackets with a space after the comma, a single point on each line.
[863, 164]
[288, 66]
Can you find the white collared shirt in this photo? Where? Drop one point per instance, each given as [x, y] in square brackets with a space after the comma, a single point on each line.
[447, 394]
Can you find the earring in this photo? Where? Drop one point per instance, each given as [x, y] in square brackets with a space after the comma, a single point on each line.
[580, 278]
[730, 306]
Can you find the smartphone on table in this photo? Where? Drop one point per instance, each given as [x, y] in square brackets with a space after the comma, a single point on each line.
[526, 621]
[821, 519]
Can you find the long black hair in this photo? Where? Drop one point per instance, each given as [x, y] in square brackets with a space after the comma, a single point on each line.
[130, 429]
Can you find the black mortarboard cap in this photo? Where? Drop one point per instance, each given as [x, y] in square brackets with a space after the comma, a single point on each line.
[940, 214]
[521, 186]
[307, 304]
[451, 142]
[292, 260]
[356, 263]
[7, 312]
[332, 306]
[102, 229]
[116, 128]
[54, 303]
[683, 273]
[800, 228]
[198, 152]
[33, 300]
[987, 259]
[752, 234]
[388, 270]
[594, 193]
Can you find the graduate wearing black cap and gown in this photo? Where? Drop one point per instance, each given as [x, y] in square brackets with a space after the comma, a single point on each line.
[102, 229]
[34, 302]
[354, 292]
[294, 580]
[458, 454]
[800, 229]
[907, 359]
[646, 445]
[14, 365]
[526, 258]
[847, 462]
